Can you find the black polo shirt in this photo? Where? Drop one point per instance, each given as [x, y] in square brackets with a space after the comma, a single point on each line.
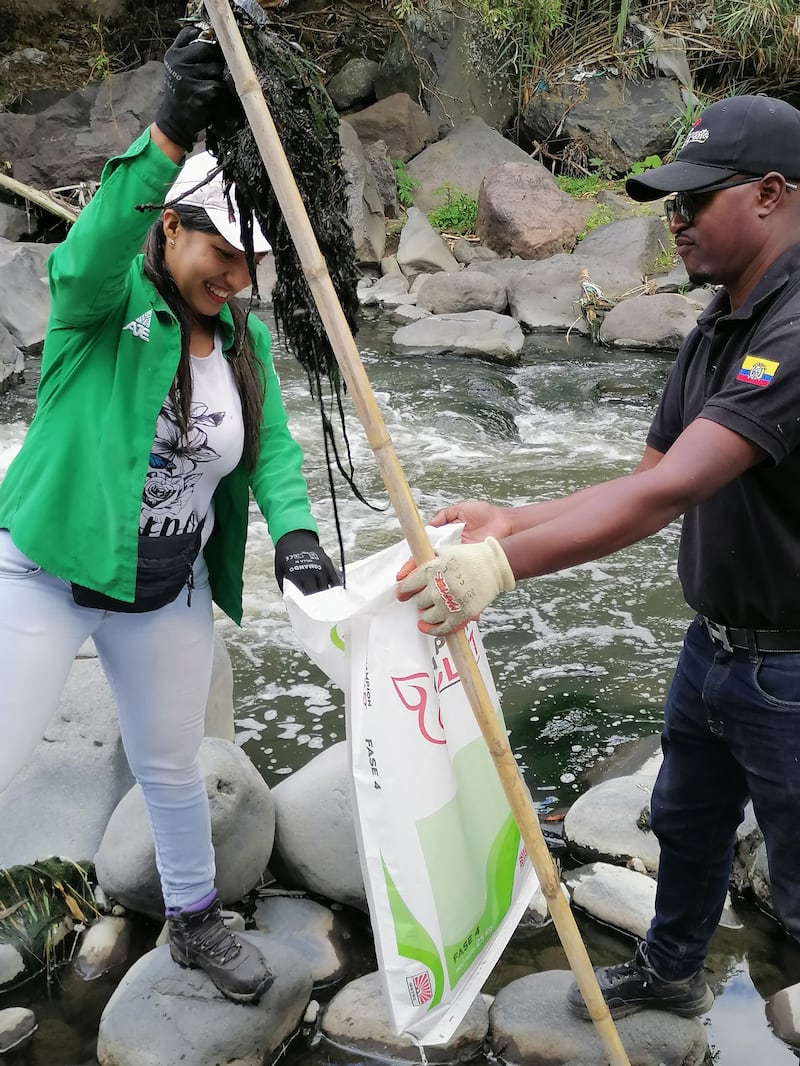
[739, 559]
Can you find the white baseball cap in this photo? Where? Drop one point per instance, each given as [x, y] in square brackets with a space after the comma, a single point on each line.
[222, 210]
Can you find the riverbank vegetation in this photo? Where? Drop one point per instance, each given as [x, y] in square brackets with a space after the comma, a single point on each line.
[731, 46]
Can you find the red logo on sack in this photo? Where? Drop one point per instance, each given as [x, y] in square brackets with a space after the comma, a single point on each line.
[413, 693]
[420, 989]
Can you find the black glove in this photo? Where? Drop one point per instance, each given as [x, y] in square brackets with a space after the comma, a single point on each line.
[299, 558]
[193, 87]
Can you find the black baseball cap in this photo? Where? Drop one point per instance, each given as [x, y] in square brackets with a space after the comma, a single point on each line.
[740, 135]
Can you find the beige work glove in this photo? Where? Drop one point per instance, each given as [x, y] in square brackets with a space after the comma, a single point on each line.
[454, 588]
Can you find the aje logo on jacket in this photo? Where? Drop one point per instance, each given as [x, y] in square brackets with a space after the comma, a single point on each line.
[140, 327]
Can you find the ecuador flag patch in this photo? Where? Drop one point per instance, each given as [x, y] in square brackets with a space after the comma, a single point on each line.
[757, 371]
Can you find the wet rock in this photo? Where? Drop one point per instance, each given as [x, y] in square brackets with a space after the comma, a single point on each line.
[482, 334]
[618, 391]
[614, 895]
[17, 1026]
[318, 933]
[388, 288]
[602, 823]
[12, 965]
[242, 826]
[660, 321]
[783, 1014]
[470, 290]
[750, 874]
[163, 1015]
[103, 946]
[530, 1025]
[315, 837]
[24, 296]
[404, 314]
[12, 361]
[357, 1019]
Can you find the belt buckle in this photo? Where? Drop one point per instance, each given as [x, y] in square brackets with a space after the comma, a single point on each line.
[719, 633]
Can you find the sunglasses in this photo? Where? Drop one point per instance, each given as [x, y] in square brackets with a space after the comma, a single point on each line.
[686, 204]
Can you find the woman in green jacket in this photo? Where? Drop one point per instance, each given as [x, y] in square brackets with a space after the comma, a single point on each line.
[125, 512]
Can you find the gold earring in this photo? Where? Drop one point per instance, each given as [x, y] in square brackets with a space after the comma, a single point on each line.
[172, 242]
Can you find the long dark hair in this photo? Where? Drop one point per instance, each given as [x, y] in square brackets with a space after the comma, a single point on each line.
[243, 360]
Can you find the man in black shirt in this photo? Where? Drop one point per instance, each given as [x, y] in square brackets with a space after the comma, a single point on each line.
[723, 451]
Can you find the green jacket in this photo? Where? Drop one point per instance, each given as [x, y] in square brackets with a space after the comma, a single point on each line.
[72, 496]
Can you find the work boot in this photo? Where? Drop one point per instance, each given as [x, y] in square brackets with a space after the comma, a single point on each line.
[201, 940]
[634, 986]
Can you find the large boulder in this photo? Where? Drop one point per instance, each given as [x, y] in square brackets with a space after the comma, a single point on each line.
[422, 250]
[71, 140]
[24, 293]
[461, 160]
[315, 836]
[242, 830]
[364, 200]
[354, 83]
[643, 124]
[479, 334]
[470, 290]
[639, 242]
[12, 363]
[60, 802]
[659, 322]
[161, 1015]
[529, 1024]
[397, 121]
[443, 58]
[521, 211]
[544, 295]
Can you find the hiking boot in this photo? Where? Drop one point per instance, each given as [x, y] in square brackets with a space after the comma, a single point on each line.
[202, 940]
[634, 986]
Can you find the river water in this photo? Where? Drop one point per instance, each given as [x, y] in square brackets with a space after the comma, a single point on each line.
[582, 659]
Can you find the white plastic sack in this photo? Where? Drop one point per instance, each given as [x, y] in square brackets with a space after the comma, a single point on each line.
[446, 874]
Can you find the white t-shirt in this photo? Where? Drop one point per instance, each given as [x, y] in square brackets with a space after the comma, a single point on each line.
[184, 472]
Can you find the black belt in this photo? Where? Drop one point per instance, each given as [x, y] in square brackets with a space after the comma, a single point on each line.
[764, 640]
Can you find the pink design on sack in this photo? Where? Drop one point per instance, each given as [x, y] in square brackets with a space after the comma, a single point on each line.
[414, 696]
[420, 989]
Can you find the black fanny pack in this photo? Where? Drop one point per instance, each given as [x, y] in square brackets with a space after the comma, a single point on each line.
[164, 568]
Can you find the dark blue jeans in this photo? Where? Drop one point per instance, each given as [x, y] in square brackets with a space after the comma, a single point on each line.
[731, 732]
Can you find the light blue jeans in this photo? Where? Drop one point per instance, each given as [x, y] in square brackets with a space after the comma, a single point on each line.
[158, 665]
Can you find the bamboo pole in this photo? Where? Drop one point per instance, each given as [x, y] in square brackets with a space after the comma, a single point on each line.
[36, 196]
[349, 360]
